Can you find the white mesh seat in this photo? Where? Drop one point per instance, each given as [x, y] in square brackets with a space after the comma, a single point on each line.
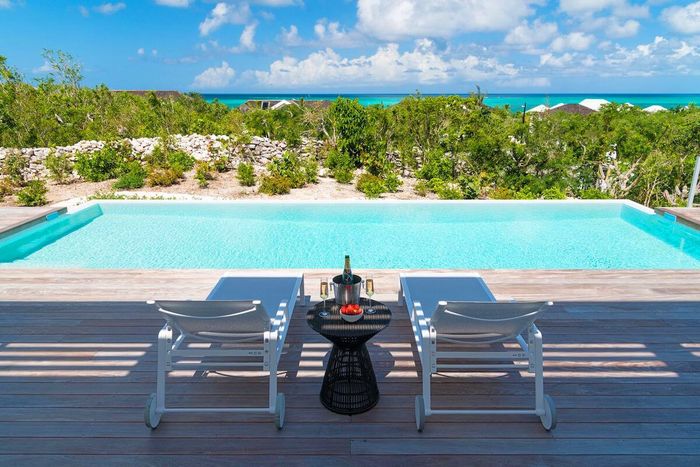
[245, 320]
[459, 312]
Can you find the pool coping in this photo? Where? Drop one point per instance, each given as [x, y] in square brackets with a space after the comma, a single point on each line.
[38, 218]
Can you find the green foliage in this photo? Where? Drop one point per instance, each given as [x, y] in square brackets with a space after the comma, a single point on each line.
[339, 160]
[6, 188]
[554, 193]
[203, 174]
[437, 165]
[13, 168]
[163, 176]
[104, 164]
[274, 185]
[220, 164]
[392, 182]
[60, 167]
[349, 123]
[246, 174]
[449, 190]
[166, 165]
[33, 194]
[421, 188]
[501, 193]
[132, 176]
[310, 168]
[371, 185]
[343, 175]
[592, 193]
[289, 166]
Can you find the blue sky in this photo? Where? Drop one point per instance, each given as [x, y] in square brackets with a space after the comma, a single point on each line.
[542, 46]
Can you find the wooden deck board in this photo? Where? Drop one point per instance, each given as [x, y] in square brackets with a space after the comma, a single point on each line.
[622, 354]
[14, 218]
[687, 216]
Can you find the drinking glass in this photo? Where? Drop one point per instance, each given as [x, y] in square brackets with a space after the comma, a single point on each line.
[369, 290]
[324, 296]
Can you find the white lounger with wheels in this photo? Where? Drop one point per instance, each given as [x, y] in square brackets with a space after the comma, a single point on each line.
[459, 310]
[249, 312]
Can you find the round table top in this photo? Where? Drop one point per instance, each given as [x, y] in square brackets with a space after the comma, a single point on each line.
[336, 329]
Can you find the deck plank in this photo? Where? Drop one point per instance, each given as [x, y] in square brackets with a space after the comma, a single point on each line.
[622, 362]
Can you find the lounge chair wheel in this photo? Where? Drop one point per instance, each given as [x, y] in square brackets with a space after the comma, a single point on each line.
[420, 413]
[549, 419]
[150, 416]
[279, 411]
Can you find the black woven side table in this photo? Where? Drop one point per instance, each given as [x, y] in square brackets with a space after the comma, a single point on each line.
[349, 384]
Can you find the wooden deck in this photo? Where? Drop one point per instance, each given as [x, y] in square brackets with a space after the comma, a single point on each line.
[622, 353]
[687, 216]
[12, 218]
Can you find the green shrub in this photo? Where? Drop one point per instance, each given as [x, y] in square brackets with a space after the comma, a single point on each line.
[288, 166]
[437, 165]
[525, 193]
[274, 185]
[221, 164]
[371, 185]
[159, 176]
[165, 156]
[554, 193]
[392, 182]
[343, 175]
[13, 168]
[6, 188]
[310, 168]
[246, 174]
[180, 160]
[421, 188]
[60, 167]
[501, 193]
[593, 193]
[470, 186]
[435, 184]
[133, 176]
[203, 174]
[101, 165]
[33, 194]
[450, 190]
[339, 160]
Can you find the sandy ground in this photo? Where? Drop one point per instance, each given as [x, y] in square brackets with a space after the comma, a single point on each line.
[225, 186]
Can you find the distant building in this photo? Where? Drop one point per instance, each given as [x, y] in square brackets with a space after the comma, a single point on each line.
[281, 103]
[594, 104]
[652, 109]
[159, 94]
[577, 109]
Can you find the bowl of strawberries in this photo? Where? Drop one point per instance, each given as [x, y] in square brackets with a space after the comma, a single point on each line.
[351, 312]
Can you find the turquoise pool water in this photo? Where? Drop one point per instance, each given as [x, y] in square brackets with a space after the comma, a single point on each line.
[470, 235]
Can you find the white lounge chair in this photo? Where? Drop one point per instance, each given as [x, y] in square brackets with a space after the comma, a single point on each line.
[459, 310]
[236, 313]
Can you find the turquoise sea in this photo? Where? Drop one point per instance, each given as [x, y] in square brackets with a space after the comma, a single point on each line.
[513, 101]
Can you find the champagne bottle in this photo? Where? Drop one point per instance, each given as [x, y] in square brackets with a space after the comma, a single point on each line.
[347, 272]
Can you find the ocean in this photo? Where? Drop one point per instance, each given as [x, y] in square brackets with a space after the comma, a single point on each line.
[514, 101]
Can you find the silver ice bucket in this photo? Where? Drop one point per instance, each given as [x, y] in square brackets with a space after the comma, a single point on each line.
[347, 293]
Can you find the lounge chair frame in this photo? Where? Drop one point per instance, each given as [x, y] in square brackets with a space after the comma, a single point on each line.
[261, 353]
[426, 338]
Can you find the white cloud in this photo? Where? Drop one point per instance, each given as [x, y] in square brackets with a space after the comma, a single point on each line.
[331, 34]
[685, 50]
[422, 65]
[614, 27]
[685, 19]
[224, 13]
[392, 20]
[247, 39]
[278, 2]
[537, 82]
[524, 34]
[5, 4]
[174, 3]
[110, 8]
[290, 37]
[141, 52]
[556, 61]
[618, 7]
[44, 68]
[573, 41]
[84, 11]
[214, 77]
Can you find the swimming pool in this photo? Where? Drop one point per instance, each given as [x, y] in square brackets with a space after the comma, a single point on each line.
[384, 235]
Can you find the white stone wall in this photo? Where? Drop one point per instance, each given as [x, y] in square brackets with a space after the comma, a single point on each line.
[259, 151]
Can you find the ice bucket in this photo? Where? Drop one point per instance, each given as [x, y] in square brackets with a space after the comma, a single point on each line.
[347, 293]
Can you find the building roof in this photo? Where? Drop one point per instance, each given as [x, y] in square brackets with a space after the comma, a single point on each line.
[539, 109]
[654, 108]
[577, 109]
[281, 103]
[594, 104]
